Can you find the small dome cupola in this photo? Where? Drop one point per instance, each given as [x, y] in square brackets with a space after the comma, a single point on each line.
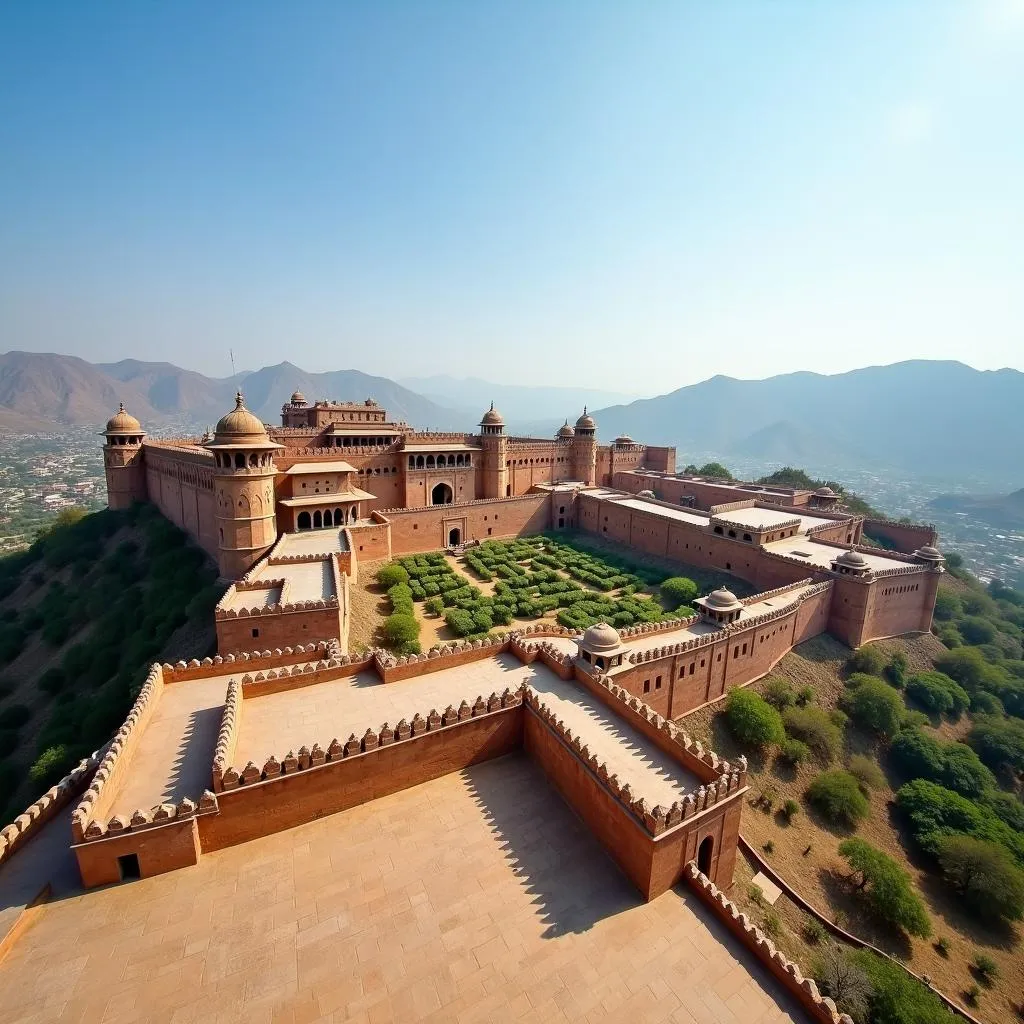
[565, 430]
[123, 422]
[931, 556]
[851, 563]
[298, 398]
[601, 646]
[240, 426]
[585, 425]
[622, 440]
[492, 422]
[721, 606]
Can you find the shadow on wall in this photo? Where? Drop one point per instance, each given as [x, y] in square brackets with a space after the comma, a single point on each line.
[572, 881]
[190, 771]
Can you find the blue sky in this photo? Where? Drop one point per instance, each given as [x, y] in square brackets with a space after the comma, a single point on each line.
[632, 196]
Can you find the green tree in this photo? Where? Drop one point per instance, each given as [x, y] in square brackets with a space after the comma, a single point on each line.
[843, 979]
[874, 705]
[985, 874]
[715, 469]
[947, 605]
[753, 720]
[888, 888]
[867, 659]
[938, 694]
[896, 996]
[999, 742]
[51, 766]
[838, 797]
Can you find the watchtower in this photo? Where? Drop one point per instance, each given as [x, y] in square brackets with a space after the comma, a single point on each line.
[123, 463]
[495, 455]
[584, 449]
[243, 480]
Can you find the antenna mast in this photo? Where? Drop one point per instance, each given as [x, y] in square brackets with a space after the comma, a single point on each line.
[231, 352]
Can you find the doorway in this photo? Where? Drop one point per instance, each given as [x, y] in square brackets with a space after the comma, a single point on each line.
[454, 537]
[441, 495]
[707, 848]
[128, 867]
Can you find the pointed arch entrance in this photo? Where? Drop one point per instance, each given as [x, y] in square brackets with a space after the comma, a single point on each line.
[704, 855]
[454, 537]
[441, 495]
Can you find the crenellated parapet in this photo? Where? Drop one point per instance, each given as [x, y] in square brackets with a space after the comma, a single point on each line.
[278, 608]
[822, 1008]
[45, 808]
[154, 817]
[316, 756]
[227, 737]
[655, 818]
[247, 660]
[116, 760]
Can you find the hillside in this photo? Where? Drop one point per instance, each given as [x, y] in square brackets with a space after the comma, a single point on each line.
[1004, 511]
[82, 614]
[883, 415]
[44, 391]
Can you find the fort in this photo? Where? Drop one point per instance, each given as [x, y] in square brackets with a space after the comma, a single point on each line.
[286, 724]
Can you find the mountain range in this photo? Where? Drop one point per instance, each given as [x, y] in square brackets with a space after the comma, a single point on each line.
[1003, 511]
[921, 417]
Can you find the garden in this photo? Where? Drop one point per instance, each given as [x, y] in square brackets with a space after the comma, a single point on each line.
[499, 583]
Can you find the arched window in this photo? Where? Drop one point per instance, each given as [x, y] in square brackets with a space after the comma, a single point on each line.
[353, 513]
[318, 520]
[430, 462]
[239, 460]
[451, 460]
[419, 461]
[704, 854]
[339, 517]
[254, 460]
[303, 522]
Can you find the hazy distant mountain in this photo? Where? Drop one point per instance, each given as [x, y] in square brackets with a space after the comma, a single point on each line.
[929, 417]
[787, 442]
[40, 391]
[43, 388]
[516, 402]
[1004, 511]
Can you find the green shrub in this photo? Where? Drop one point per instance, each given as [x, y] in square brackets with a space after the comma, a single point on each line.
[896, 670]
[985, 874]
[678, 590]
[400, 596]
[434, 605]
[999, 742]
[815, 727]
[402, 633]
[887, 887]
[779, 693]
[459, 621]
[954, 765]
[868, 660]
[813, 931]
[947, 605]
[874, 705]
[805, 695]
[986, 967]
[794, 752]
[1007, 807]
[934, 812]
[866, 772]
[976, 630]
[790, 808]
[837, 795]
[752, 720]
[896, 996]
[392, 573]
[51, 766]
[938, 694]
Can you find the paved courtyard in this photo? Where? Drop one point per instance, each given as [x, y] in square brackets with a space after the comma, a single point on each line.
[477, 897]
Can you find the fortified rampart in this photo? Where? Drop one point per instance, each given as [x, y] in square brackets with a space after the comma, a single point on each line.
[905, 537]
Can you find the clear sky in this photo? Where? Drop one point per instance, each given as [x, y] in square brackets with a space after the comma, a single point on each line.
[625, 195]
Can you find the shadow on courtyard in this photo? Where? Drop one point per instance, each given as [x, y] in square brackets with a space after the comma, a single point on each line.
[572, 881]
[189, 774]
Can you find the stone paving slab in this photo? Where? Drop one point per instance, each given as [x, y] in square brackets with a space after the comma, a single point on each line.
[474, 898]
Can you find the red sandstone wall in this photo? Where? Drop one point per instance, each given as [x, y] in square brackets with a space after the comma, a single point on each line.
[165, 848]
[427, 529]
[262, 808]
[907, 537]
[900, 604]
[188, 505]
[538, 464]
[419, 483]
[280, 629]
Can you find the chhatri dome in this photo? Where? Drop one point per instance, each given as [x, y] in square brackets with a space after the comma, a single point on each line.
[123, 423]
[586, 421]
[852, 560]
[298, 398]
[601, 646]
[825, 492]
[723, 600]
[565, 430]
[240, 426]
[492, 418]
